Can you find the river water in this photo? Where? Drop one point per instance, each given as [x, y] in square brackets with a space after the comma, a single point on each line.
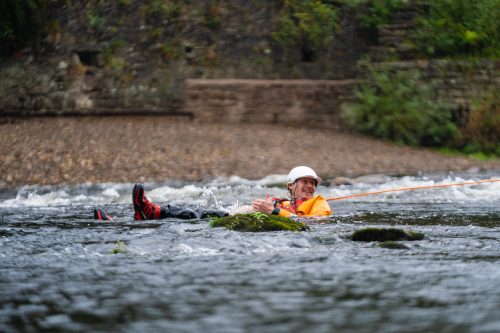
[59, 270]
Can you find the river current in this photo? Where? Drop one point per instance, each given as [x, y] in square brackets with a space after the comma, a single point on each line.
[62, 271]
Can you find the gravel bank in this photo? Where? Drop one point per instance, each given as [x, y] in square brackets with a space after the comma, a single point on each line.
[129, 149]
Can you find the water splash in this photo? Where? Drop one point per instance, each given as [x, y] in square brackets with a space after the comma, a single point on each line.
[235, 192]
[212, 201]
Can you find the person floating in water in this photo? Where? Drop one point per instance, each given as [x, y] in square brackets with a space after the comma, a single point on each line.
[302, 182]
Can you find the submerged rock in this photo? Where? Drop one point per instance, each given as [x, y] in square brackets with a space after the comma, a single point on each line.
[393, 245]
[256, 222]
[385, 234]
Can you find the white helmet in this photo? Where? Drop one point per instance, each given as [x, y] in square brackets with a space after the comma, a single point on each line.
[301, 172]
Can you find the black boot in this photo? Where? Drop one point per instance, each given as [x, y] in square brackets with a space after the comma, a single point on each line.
[100, 214]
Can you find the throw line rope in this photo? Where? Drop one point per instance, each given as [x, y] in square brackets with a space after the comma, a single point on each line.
[411, 189]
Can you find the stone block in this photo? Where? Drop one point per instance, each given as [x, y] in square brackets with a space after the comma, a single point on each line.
[41, 85]
[43, 103]
[10, 102]
[296, 102]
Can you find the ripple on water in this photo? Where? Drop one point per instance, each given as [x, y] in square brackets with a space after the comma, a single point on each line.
[63, 271]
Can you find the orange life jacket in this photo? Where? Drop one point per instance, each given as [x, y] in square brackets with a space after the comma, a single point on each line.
[316, 206]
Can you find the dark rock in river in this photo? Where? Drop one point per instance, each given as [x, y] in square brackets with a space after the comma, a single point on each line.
[385, 234]
[392, 245]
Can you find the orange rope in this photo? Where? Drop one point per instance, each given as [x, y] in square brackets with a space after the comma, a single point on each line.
[411, 189]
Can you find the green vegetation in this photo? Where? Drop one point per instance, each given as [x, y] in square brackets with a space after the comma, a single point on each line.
[124, 2]
[481, 133]
[374, 13]
[96, 20]
[111, 54]
[167, 9]
[306, 24]
[310, 25]
[258, 222]
[169, 34]
[400, 107]
[460, 27]
[468, 152]
[171, 50]
[120, 247]
[403, 107]
[21, 23]
[212, 18]
[385, 235]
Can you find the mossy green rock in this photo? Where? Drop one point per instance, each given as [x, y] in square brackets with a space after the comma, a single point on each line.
[121, 248]
[258, 222]
[385, 234]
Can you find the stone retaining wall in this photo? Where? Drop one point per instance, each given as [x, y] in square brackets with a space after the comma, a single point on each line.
[318, 102]
[133, 56]
[68, 87]
[117, 68]
[457, 82]
[291, 102]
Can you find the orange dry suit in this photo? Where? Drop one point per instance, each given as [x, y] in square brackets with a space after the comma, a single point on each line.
[317, 206]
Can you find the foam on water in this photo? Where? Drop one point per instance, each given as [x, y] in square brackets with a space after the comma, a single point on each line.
[53, 196]
[488, 192]
[236, 180]
[234, 192]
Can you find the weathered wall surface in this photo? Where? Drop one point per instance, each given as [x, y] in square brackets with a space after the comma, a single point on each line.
[133, 56]
[292, 102]
[318, 102]
[105, 57]
[67, 87]
[457, 82]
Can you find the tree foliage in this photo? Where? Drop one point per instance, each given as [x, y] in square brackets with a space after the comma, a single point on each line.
[307, 24]
[481, 133]
[400, 107]
[460, 27]
[374, 13]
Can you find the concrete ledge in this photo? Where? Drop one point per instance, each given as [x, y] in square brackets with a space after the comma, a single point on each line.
[292, 102]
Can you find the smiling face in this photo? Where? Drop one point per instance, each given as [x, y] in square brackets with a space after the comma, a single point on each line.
[303, 188]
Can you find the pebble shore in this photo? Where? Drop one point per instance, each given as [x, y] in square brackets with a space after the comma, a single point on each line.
[75, 150]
